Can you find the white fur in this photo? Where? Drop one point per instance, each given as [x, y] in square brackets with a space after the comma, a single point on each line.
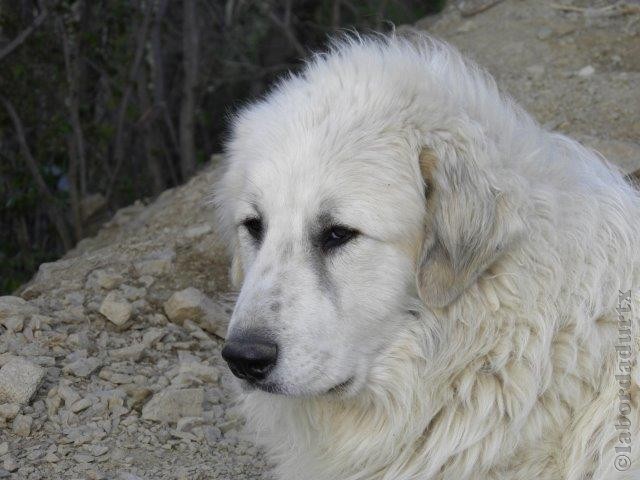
[478, 325]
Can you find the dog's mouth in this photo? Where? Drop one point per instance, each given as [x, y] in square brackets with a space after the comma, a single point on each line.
[277, 389]
[341, 387]
[269, 387]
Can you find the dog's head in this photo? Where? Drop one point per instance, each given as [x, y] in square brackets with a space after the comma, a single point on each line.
[345, 213]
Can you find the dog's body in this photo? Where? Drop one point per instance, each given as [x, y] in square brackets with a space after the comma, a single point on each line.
[467, 327]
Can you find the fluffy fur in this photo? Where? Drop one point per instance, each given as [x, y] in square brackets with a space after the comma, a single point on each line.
[476, 312]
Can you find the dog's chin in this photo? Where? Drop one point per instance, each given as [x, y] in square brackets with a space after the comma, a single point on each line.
[344, 389]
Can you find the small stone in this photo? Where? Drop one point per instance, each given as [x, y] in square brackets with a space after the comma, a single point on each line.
[133, 293]
[10, 306]
[22, 425]
[152, 335]
[114, 398]
[186, 304]
[74, 299]
[132, 352]
[8, 411]
[14, 323]
[68, 394]
[51, 458]
[83, 458]
[34, 454]
[116, 309]
[192, 304]
[128, 476]
[81, 405]
[19, 380]
[98, 450]
[466, 27]
[171, 405]
[206, 373]
[536, 71]
[137, 396]
[6, 358]
[158, 263]
[83, 367]
[44, 361]
[586, 71]
[147, 280]
[39, 322]
[121, 378]
[79, 340]
[544, 33]
[187, 424]
[10, 465]
[212, 435]
[106, 279]
[197, 231]
[4, 448]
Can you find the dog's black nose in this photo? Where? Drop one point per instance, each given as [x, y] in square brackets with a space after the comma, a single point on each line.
[250, 357]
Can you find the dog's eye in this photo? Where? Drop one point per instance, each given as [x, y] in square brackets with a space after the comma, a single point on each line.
[254, 227]
[335, 236]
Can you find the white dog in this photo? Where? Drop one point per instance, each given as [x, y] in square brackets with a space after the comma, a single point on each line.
[433, 286]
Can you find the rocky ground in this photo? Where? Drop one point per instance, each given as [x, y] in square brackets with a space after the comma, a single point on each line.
[110, 358]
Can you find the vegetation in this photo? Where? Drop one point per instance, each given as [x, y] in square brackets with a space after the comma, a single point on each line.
[106, 101]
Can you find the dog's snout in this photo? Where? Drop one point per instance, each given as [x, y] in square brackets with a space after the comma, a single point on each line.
[250, 357]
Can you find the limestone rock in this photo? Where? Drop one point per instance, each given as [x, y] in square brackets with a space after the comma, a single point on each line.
[192, 304]
[116, 309]
[132, 352]
[157, 263]
[22, 425]
[19, 380]
[107, 279]
[586, 71]
[8, 411]
[12, 306]
[83, 367]
[14, 323]
[206, 373]
[10, 465]
[198, 231]
[172, 405]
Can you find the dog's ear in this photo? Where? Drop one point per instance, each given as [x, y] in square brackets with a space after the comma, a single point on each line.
[469, 224]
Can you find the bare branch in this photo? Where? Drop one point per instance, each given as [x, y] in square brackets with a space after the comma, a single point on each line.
[149, 135]
[50, 202]
[187, 108]
[118, 151]
[22, 36]
[285, 27]
[335, 14]
[159, 95]
[77, 159]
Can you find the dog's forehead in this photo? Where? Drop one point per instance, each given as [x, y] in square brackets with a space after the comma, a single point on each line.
[303, 189]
